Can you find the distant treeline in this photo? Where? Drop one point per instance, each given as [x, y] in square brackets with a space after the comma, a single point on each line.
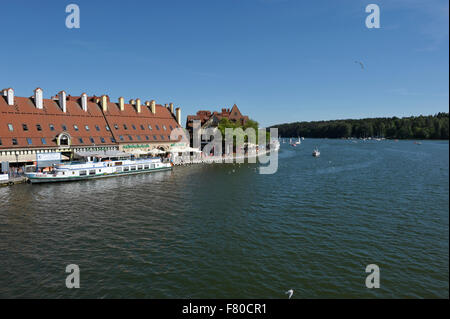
[415, 127]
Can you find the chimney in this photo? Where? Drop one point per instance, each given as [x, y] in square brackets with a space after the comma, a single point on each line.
[62, 101]
[122, 103]
[153, 106]
[132, 102]
[9, 93]
[84, 102]
[138, 105]
[147, 103]
[179, 116]
[38, 98]
[104, 103]
[171, 108]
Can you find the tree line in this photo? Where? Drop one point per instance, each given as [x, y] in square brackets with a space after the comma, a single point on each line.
[414, 127]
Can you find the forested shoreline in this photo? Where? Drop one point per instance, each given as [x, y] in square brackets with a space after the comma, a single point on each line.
[414, 127]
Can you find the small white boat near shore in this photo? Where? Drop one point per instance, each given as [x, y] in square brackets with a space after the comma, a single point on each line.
[316, 153]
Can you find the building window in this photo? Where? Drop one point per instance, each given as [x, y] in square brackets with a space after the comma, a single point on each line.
[171, 128]
[113, 140]
[97, 128]
[80, 140]
[86, 127]
[142, 127]
[146, 137]
[64, 127]
[164, 127]
[235, 113]
[138, 137]
[92, 140]
[134, 127]
[44, 142]
[52, 127]
[125, 127]
[168, 137]
[75, 127]
[162, 137]
[116, 126]
[157, 127]
[25, 127]
[150, 127]
[14, 141]
[38, 127]
[130, 137]
[29, 141]
[107, 128]
[11, 127]
[121, 137]
[154, 137]
[102, 139]
[0, 141]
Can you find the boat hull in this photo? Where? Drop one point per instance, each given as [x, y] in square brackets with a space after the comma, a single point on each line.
[38, 180]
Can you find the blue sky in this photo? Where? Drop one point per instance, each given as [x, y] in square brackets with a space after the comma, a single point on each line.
[278, 60]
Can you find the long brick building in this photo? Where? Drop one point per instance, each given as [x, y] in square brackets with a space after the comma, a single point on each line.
[67, 124]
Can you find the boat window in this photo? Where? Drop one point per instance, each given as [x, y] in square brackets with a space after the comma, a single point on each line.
[139, 166]
[25, 127]
[118, 169]
[92, 172]
[83, 173]
[133, 168]
[126, 169]
[146, 166]
[118, 163]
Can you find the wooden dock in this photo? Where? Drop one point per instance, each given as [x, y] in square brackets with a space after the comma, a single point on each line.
[14, 181]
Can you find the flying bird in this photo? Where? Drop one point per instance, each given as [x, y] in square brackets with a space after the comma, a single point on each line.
[361, 64]
[290, 292]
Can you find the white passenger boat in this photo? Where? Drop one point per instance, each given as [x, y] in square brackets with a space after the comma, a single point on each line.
[99, 165]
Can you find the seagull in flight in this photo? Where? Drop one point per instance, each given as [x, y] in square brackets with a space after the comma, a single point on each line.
[290, 292]
[361, 64]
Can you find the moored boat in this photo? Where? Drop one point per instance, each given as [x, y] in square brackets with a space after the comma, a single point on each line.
[98, 165]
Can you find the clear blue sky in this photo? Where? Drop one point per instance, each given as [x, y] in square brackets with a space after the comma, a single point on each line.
[278, 60]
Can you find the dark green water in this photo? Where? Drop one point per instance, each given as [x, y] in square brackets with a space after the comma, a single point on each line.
[211, 232]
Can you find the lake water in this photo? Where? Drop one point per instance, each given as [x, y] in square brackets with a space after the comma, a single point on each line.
[225, 231]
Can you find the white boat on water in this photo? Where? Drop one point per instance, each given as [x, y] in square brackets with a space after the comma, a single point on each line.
[316, 153]
[98, 165]
[298, 142]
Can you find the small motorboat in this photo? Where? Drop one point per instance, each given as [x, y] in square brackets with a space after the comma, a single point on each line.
[316, 153]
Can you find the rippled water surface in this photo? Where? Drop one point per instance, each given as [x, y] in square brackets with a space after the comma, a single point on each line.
[225, 231]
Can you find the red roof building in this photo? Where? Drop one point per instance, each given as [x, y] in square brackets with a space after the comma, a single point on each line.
[30, 125]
